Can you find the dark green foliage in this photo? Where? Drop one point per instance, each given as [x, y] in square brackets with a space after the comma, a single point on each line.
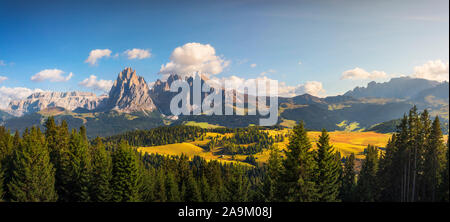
[271, 190]
[367, 183]
[347, 193]
[434, 162]
[329, 170]
[125, 174]
[445, 179]
[33, 176]
[298, 177]
[100, 186]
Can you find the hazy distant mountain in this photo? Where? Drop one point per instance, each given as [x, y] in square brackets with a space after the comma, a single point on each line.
[400, 88]
[4, 115]
[68, 100]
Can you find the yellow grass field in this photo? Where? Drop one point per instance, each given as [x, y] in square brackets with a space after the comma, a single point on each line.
[189, 149]
[342, 141]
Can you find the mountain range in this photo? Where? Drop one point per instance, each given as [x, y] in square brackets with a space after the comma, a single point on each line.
[132, 104]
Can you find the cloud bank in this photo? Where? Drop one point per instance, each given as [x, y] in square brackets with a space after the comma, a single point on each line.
[53, 75]
[8, 94]
[93, 83]
[432, 70]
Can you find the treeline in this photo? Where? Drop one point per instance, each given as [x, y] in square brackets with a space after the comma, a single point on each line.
[58, 165]
[158, 136]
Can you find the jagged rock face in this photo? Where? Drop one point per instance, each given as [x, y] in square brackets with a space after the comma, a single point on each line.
[67, 100]
[130, 93]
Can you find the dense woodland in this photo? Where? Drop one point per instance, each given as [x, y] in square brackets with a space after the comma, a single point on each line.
[61, 165]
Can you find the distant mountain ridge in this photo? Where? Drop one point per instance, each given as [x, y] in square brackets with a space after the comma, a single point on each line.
[131, 104]
[399, 88]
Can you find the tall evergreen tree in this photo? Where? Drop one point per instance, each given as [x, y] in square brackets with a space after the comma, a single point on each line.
[347, 193]
[100, 184]
[274, 168]
[77, 167]
[192, 193]
[297, 180]
[173, 194]
[125, 174]
[367, 182]
[445, 180]
[434, 162]
[33, 176]
[329, 170]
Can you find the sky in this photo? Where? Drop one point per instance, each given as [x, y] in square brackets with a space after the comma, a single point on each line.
[319, 47]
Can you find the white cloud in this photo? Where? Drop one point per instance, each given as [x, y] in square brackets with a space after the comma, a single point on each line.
[2, 63]
[358, 73]
[194, 57]
[253, 65]
[299, 62]
[268, 72]
[3, 78]
[432, 70]
[93, 83]
[97, 54]
[8, 94]
[137, 53]
[53, 75]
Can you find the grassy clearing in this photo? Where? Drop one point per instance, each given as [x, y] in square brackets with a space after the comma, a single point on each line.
[204, 125]
[190, 150]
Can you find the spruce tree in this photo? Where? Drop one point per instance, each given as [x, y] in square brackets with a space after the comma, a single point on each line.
[238, 185]
[193, 193]
[160, 186]
[434, 161]
[125, 174]
[77, 167]
[33, 176]
[445, 180]
[367, 182]
[329, 170]
[274, 168]
[347, 193]
[297, 180]
[100, 185]
[173, 194]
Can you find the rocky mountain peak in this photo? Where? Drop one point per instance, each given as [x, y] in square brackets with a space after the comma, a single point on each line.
[130, 93]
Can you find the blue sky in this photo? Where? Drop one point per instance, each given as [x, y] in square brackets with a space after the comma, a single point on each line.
[328, 38]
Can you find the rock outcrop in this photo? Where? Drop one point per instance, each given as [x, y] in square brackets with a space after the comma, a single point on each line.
[129, 93]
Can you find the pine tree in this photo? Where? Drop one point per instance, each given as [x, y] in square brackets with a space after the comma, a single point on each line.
[77, 167]
[274, 168]
[160, 189]
[445, 180]
[33, 176]
[238, 185]
[349, 180]
[1, 182]
[100, 185]
[193, 193]
[434, 161]
[367, 182]
[173, 194]
[297, 180]
[125, 174]
[329, 170]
